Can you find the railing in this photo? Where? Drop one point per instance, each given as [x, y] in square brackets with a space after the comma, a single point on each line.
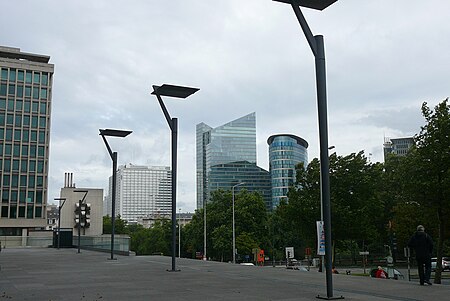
[98, 243]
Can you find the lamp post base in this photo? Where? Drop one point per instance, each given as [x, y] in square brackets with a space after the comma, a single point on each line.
[329, 298]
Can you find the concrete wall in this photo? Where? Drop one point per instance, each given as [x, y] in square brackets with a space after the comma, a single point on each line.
[94, 197]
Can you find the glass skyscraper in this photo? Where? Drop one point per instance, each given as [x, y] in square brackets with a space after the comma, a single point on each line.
[232, 142]
[255, 179]
[285, 152]
[25, 106]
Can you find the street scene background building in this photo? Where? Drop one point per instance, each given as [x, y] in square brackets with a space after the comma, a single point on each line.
[141, 191]
[285, 152]
[25, 110]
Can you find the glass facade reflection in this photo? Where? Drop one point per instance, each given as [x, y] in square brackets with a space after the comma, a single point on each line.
[285, 152]
[232, 142]
[256, 179]
[25, 106]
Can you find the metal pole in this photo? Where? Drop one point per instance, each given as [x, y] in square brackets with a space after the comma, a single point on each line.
[174, 128]
[234, 238]
[79, 225]
[59, 223]
[113, 202]
[324, 159]
[179, 234]
[204, 229]
[234, 231]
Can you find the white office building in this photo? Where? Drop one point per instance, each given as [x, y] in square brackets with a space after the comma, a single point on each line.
[141, 191]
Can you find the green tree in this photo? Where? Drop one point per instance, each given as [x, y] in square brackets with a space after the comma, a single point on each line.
[428, 167]
[120, 225]
[357, 208]
[250, 218]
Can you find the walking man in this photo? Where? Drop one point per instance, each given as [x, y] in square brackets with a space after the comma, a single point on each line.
[422, 243]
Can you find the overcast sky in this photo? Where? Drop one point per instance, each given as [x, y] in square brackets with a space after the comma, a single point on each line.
[384, 58]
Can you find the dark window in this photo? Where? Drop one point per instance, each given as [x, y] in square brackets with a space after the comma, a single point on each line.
[3, 89]
[44, 80]
[30, 211]
[38, 212]
[20, 75]
[22, 211]
[12, 75]
[4, 211]
[24, 153]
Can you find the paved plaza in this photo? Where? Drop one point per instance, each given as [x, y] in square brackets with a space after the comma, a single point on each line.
[49, 274]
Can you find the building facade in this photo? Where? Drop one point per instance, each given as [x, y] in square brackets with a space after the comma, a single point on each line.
[141, 191]
[232, 142]
[94, 198]
[255, 179]
[285, 152]
[25, 109]
[397, 146]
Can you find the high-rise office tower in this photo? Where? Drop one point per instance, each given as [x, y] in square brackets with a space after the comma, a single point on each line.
[232, 142]
[25, 107]
[142, 191]
[255, 179]
[397, 146]
[285, 152]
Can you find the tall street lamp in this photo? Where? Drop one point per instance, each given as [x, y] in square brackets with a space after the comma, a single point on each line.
[234, 231]
[113, 155]
[177, 92]
[59, 217]
[179, 233]
[317, 46]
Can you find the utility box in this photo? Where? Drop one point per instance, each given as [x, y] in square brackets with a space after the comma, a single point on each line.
[65, 239]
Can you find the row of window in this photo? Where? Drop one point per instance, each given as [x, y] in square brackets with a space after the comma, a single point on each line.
[21, 212]
[282, 164]
[16, 151]
[22, 196]
[25, 181]
[25, 165]
[20, 91]
[26, 106]
[25, 135]
[278, 173]
[26, 76]
[282, 182]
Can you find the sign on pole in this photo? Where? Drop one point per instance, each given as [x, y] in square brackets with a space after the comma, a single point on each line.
[289, 252]
[320, 238]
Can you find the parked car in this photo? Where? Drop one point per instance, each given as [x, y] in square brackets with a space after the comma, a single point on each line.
[445, 263]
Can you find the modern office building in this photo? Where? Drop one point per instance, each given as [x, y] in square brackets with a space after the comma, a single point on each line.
[255, 179]
[25, 107]
[232, 142]
[141, 191]
[285, 152]
[397, 146]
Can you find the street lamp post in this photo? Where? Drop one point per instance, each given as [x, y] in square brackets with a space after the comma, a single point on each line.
[113, 155]
[59, 217]
[234, 231]
[316, 44]
[179, 233]
[177, 92]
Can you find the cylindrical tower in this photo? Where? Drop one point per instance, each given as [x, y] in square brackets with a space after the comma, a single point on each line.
[285, 152]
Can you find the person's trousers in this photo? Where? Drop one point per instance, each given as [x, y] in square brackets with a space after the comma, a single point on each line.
[424, 267]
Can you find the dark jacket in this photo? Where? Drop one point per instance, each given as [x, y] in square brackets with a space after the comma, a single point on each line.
[422, 244]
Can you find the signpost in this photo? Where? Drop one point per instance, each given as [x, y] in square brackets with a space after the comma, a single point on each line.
[364, 254]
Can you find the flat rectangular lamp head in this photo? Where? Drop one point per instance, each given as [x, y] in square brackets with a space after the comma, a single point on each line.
[114, 133]
[174, 91]
[314, 4]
